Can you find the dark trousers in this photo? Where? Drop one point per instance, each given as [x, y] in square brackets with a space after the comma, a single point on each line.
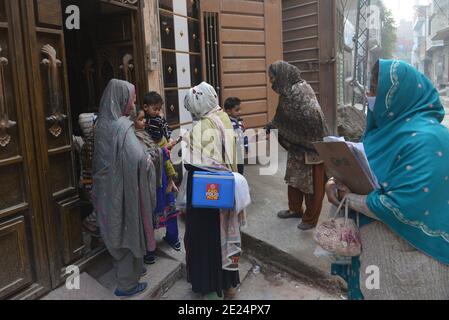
[314, 202]
[172, 232]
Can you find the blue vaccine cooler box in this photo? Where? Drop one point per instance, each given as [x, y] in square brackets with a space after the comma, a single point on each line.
[213, 190]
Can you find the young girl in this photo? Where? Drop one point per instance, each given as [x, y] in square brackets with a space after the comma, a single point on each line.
[166, 214]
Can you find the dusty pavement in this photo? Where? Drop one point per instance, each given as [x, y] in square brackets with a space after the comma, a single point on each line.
[280, 240]
[261, 283]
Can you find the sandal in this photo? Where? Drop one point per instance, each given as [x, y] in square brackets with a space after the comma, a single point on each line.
[287, 214]
[306, 227]
[141, 287]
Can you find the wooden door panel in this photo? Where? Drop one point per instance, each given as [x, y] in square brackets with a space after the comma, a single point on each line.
[12, 188]
[9, 136]
[61, 175]
[53, 93]
[23, 264]
[51, 124]
[2, 11]
[48, 12]
[15, 263]
[71, 227]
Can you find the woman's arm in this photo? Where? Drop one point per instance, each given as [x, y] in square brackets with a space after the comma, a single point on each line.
[358, 203]
[336, 192]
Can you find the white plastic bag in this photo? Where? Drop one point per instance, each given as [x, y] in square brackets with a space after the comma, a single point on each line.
[181, 200]
[242, 194]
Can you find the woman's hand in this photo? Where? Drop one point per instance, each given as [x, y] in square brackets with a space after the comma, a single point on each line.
[336, 191]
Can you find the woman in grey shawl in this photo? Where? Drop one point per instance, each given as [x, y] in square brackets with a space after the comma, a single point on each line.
[300, 122]
[123, 178]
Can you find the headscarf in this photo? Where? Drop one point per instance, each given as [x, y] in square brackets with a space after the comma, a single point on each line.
[151, 148]
[201, 100]
[299, 119]
[408, 150]
[285, 77]
[122, 176]
[219, 149]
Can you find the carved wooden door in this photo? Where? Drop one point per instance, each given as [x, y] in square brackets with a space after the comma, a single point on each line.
[50, 117]
[23, 263]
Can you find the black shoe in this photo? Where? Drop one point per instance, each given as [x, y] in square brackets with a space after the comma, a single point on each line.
[149, 259]
[175, 246]
[144, 272]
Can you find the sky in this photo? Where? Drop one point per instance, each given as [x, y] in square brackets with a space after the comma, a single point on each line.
[403, 9]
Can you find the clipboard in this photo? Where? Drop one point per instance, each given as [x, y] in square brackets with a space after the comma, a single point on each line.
[342, 164]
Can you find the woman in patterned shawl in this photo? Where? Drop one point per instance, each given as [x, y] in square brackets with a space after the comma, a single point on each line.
[300, 122]
[405, 223]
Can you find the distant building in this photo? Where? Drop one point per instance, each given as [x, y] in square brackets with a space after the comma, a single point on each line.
[437, 36]
[420, 32]
[404, 45]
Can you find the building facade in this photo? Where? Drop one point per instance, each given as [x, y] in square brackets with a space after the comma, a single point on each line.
[437, 47]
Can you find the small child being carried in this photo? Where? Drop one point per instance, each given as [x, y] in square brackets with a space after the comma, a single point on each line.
[165, 214]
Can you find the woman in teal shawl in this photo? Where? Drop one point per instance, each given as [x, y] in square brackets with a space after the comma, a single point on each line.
[405, 225]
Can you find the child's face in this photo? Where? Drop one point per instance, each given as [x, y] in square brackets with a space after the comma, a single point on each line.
[235, 112]
[140, 121]
[153, 111]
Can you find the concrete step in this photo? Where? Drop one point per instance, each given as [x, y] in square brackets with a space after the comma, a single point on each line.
[160, 277]
[90, 289]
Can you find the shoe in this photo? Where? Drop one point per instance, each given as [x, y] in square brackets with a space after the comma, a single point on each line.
[141, 287]
[144, 272]
[149, 259]
[306, 227]
[287, 214]
[175, 246]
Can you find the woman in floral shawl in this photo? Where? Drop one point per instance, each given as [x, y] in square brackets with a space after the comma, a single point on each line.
[300, 122]
[405, 223]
